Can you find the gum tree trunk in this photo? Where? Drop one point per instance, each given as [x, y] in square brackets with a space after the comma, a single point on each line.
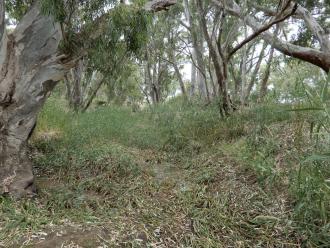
[220, 62]
[29, 69]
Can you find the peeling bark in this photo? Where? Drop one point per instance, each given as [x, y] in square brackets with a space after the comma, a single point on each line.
[29, 70]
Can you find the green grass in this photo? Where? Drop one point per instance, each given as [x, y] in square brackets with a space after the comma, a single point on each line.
[176, 175]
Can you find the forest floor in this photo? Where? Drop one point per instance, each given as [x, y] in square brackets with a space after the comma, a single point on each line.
[122, 179]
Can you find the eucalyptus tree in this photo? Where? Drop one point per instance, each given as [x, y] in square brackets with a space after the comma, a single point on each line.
[223, 46]
[50, 37]
[198, 71]
[123, 88]
[91, 72]
[216, 50]
[313, 43]
[159, 59]
[82, 85]
[167, 43]
[174, 45]
[254, 75]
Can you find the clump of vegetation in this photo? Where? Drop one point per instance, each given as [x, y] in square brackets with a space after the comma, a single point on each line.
[180, 173]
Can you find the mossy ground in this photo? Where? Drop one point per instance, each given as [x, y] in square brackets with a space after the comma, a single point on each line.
[173, 176]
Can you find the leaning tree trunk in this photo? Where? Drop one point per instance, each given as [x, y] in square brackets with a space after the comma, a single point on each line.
[29, 70]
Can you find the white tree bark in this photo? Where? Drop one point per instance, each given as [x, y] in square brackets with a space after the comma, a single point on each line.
[193, 52]
[310, 21]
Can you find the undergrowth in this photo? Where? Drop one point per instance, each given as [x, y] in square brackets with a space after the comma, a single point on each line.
[180, 175]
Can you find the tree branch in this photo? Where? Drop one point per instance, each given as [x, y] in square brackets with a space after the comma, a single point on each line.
[310, 21]
[159, 5]
[315, 28]
[264, 28]
[185, 25]
[311, 55]
[267, 11]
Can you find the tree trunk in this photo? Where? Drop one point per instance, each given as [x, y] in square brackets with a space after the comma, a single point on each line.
[264, 82]
[177, 70]
[212, 76]
[76, 95]
[220, 65]
[201, 72]
[98, 81]
[68, 88]
[194, 52]
[74, 84]
[198, 67]
[193, 74]
[255, 71]
[236, 76]
[29, 70]
[244, 69]
[198, 47]
[181, 82]
[263, 87]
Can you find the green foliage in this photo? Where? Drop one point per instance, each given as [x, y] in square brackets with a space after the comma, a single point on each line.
[17, 8]
[258, 177]
[132, 24]
[125, 88]
[312, 192]
[311, 186]
[124, 33]
[55, 8]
